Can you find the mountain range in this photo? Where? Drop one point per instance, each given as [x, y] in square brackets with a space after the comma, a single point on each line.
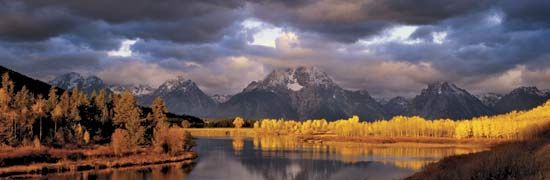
[309, 93]
[71, 80]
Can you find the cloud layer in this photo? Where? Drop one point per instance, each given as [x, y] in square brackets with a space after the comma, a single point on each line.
[389, 47]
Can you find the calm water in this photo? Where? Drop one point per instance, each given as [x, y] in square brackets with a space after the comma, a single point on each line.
[284, 158]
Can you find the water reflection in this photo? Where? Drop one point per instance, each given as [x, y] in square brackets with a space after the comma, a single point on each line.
[167, 171]
[286, 158]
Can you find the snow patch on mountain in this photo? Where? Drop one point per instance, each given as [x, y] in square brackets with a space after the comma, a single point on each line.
[138, 90]
[294, 86]
[221, 98]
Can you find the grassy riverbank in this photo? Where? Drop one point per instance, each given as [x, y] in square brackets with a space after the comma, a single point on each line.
[528, 159]
[29, 161]
[221, 132]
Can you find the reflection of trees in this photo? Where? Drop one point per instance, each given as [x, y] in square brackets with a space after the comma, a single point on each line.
[168, 171]
[176, 171]
[273, 157]
[406, 155]
[238, 144]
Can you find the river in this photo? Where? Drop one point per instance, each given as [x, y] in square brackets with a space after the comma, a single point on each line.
[284, 158]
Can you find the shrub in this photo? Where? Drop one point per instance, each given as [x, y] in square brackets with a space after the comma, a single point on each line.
[119, 141]
[175, 141]
[185, 124]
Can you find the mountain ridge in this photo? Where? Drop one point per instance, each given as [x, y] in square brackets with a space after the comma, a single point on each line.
[309, 93]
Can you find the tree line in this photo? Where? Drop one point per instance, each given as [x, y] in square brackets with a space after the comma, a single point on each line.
[513, 125]
[73, 119]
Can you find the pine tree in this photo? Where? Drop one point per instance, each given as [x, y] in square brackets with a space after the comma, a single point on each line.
[8, 114]
[65, 104]
[7, 84]
[159, 110]
[23, 123]
[160, 120]
[101, 103]
[5, 121]
[57, 115]
[127, 114]
[74, 104]
[39, 111]
[52, 99]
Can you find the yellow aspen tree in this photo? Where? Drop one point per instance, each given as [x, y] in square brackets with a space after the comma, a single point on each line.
[238, 122]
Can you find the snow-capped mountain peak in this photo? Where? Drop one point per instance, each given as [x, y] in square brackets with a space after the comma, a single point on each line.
[73, 80]
[444, 88]
[528, 90]
[293, 79]
[68, 81]
[177, 84]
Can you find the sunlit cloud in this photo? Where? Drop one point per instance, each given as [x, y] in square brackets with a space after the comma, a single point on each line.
[125, 48]
[400, 34]
[265, 34]
[439, 37]
[495, 18]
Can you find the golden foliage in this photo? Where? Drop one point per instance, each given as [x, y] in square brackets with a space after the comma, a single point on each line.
[119, 141]
[238, 122]
[513, 125]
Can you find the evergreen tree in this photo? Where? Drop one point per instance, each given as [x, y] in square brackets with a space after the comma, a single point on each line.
[39, 111]
[65, 105]
[101, 104]
[57, 115]
[52, 99]
[160, 120]
[5, 121]
[7, 84]
[74, 104]
[8, 115]
[24, 121]
[127, 115]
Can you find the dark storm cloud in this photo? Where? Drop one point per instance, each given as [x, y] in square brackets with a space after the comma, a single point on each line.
[234, 41]
[480, 41]
[350, 20]
[18, 22]
[526, 14]
[174, 20]
[477, 44]
[48, 58]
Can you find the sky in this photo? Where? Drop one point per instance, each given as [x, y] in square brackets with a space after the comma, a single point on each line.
[388, 47]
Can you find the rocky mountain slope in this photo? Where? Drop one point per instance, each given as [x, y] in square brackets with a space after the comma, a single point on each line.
[182, 96]
[72, 80]
[398, 106]
[446, 100]
[300, 93]
[490, 99]
[522, 98]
